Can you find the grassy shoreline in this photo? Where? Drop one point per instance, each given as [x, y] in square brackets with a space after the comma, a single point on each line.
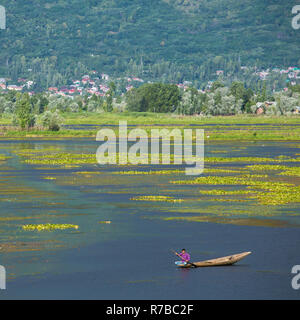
[143, 118]
[224, 128]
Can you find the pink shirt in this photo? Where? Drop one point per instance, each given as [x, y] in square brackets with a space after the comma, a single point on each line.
[185, 256]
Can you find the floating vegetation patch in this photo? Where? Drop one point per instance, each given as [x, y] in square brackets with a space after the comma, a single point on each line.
[178, 171]
[88, 172]
[105, 222]
[266, 167]
[226, 192]
[222, 170]
[156, 198]
[63, 159]
[279, 195]
[270, 192]
[30, 151]
[236, 221]
[48, 227]
[229, 200]
[218, 151]
[287, 171]
[235, 209]
[17, 218]
[249, 159]
[216, 180]
[18, 191]
[292, 171]
[150, 172]
[21, 246]
[3, 158]
[49, 178]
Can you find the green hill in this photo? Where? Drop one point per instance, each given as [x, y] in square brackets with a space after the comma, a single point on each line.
[172, 40]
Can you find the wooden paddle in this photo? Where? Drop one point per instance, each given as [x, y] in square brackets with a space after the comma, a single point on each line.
[189, 262]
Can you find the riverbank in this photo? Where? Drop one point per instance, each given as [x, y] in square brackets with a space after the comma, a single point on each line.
[239, 127]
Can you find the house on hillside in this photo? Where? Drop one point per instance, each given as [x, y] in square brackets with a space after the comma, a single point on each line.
[53, 89]
[104, 76]
[14, 87]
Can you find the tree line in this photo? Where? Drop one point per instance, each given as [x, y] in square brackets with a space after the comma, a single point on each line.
[44, 110]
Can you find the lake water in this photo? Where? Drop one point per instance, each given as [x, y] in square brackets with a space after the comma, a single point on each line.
[130, 258]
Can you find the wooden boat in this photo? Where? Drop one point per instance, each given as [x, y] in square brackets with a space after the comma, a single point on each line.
[224, 261]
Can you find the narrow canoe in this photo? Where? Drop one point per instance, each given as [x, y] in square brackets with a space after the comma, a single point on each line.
[224, 261]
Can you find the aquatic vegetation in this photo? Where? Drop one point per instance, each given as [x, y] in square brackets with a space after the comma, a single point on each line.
[150, 172]
[88, 172]
[18, 191]
[287, 171]
[283, 157]
[222, 170]
[278, 196]
[229, 200]
[63, 159]
[236, 221]
[48, 227]
[265, 167]
[240, 190]
[156, 198]
[4, 157]
[228, 180]
[291, 171]
[178, 171]
[32, 151]
[273, 193]
[226, 192]
[249, 159]
[218, 151]
[231, 209]
[21, 246]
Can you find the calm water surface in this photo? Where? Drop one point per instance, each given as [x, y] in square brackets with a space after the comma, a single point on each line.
[130, 258]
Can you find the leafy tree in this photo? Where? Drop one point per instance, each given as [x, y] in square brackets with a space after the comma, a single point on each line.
[216, 85]
[221, 102]
[285, 104]
[51, 120]
[24, 113]
[238, 90]
[156, 97]
[110, 95]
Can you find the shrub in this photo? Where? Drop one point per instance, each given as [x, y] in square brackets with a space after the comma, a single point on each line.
[51, 120]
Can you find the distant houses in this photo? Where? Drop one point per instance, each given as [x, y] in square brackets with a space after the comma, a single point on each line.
[96, 83]
[14, 87]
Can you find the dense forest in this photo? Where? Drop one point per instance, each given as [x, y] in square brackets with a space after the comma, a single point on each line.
[53, 41]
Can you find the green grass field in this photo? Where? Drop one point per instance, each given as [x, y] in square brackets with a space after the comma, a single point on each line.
[216, 128]
[143, 118]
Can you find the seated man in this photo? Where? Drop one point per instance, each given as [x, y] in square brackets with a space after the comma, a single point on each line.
[185, 257]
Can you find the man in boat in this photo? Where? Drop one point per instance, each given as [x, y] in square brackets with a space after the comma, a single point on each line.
[185, 257]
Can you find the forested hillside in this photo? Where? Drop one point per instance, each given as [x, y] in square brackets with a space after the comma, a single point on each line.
[169, 40]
